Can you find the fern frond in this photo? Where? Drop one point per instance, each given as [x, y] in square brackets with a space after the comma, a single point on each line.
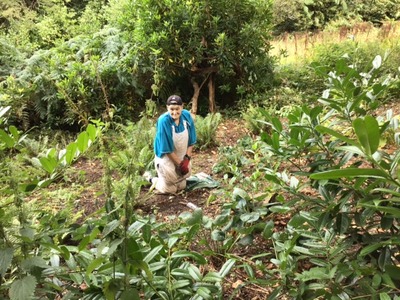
[206, 129]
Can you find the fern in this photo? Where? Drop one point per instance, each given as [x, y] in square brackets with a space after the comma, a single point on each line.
[206, 129]
[136, 142]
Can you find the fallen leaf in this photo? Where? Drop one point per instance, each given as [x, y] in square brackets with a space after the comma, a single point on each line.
[237, 283]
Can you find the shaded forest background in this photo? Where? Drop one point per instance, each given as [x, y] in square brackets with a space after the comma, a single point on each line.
[66, 61]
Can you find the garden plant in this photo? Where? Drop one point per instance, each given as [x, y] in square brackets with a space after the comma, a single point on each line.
[308, 202]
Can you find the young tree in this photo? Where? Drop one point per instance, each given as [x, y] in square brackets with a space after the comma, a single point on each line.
[200, 41]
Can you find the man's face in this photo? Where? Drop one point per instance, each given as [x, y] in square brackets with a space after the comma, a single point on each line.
[175, 111]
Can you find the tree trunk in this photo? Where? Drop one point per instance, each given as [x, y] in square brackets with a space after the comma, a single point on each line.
[195, 97]
[211, 94]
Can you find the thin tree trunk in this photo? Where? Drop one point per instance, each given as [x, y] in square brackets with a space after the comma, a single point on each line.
[195, 97]
[211, 94]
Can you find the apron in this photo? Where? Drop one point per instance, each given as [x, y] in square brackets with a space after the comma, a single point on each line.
[169, 181]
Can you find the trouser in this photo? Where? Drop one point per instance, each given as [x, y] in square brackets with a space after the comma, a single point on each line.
[168, 180]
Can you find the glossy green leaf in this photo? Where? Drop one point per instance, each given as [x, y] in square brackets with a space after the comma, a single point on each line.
[368, 133]
[204, 293]
[250, 217]
[272, 178]
[194, 272]
[275, 142]
[49, 164]
[14, 131]
[376, 281]
[275, 294]
[280, 209]
[180, 284]
[70, 153]
[147, 233]
[76, 278]
[113, 246]
[349, 173]
[94, 264]
[135, 227]
[394, 211]
[336, 134]
[384, 296]
[83, 141]
[386, 222]
[268, 229]
[173, 240]
[353, 150]
[6, 139]
[212, 277]
[342, 223]
[371, 248]
[153, 253]
[239, 193]
[388, 191]
[88, 239]
[92, 131]
[246, 240]
[276, 123]
[28, 233]
[388, 280]
[110, 227]
[384, 258]
[190, 254]
[249, 270]
[227, 266]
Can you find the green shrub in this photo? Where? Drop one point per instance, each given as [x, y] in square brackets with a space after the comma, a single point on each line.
[255, 120]
[317, 15]
[206, 130]
[132, 146]
[341, 188]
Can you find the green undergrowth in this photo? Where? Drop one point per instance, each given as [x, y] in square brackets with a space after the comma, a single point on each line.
[308, 209]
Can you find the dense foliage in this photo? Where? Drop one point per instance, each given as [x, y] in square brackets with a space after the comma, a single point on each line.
[201, 43]
[66, 61]
[108, 59]
[299, 15]
[331, 171]
[308, 206]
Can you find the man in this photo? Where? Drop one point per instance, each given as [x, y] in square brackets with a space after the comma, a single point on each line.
[173, 145]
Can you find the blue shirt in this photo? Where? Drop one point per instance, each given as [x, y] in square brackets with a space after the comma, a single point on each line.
[163, 142]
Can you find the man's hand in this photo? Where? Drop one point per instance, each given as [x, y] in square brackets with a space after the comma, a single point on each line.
[184, 166]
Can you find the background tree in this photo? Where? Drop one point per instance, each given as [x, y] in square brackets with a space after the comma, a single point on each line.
[201, 43]
[311, 15]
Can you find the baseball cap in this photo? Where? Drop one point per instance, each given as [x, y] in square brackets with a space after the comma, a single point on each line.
[174, 100]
